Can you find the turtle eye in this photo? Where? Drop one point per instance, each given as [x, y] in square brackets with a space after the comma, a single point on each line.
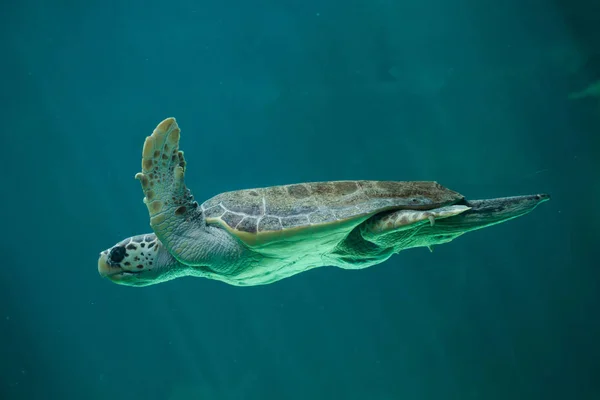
[117, 254]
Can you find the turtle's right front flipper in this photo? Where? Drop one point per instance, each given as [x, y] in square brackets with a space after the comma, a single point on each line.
[174, 215]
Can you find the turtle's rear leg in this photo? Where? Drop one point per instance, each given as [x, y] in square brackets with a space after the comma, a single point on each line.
[382, 235]
[396, 229]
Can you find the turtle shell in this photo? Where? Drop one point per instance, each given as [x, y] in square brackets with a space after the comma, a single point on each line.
[320, 210]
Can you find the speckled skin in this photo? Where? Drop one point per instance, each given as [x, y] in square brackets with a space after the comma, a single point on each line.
[259, 236]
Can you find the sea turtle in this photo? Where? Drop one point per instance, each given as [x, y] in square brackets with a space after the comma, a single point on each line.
[259, 236]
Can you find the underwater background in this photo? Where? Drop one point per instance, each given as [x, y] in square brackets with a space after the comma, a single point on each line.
[488, 98]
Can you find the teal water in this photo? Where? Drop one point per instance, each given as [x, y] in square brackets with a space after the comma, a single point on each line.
[473, 94]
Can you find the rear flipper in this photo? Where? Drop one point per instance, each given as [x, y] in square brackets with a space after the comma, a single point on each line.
[399, 226]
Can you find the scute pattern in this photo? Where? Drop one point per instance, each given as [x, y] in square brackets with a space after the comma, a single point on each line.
[269, 223]
[215, 211]
[248, 224]
[291, 206]
[294, 221]
[232, 219]
[321, 216]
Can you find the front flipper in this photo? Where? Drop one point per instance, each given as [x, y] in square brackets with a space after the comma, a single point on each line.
[174, 215]
[386, 230]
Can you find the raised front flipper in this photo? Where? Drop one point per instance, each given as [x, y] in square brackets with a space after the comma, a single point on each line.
[174, 215]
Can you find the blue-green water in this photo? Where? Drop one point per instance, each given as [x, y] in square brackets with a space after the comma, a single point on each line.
[473, 94]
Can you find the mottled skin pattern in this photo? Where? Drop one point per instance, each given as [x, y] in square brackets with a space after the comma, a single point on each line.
[259, 236]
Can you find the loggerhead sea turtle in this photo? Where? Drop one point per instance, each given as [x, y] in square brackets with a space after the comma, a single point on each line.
[259, 236]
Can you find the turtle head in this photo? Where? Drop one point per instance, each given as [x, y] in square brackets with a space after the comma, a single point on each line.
[139, 261]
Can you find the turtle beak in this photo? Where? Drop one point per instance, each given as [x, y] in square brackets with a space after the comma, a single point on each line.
[484, 213]
[105, 269]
